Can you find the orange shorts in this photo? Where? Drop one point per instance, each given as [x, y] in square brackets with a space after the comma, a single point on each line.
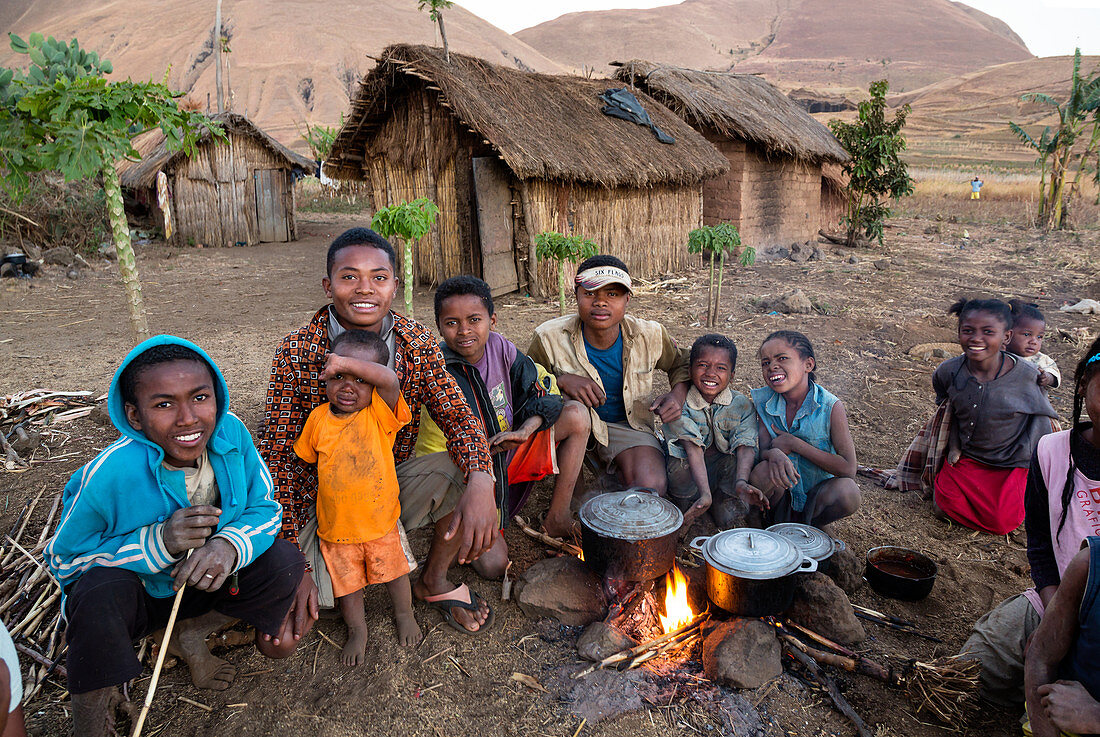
[354, 565]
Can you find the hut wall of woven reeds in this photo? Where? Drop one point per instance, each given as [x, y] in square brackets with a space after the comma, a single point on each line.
[237, 190]
[774, 191]
[506, 154]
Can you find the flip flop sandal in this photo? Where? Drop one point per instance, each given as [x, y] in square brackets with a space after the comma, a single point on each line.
[471, 602]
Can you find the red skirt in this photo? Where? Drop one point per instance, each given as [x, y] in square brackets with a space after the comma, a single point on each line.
[982, 497]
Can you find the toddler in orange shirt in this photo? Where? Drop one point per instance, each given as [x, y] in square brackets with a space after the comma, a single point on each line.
[350, 438]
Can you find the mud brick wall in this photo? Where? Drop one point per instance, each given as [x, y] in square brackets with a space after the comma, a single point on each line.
[722, 195]
[772, 201]
[780, 200]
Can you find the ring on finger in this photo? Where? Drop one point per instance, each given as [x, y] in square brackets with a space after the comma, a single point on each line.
[208, 575]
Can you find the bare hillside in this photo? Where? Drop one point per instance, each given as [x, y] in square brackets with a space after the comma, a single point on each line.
[291, 62]
[831, 46]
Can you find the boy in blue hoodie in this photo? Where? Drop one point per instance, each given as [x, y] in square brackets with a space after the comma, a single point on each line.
[182, 498]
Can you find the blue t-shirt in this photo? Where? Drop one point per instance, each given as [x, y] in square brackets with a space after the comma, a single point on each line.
[609, 365]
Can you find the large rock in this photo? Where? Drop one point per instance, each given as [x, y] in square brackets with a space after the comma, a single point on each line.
[742, 653]
[60, 256]
[564, 589]
[823, 607]
[801, 252]
[795, 303]
[846, 569]
[600, 640]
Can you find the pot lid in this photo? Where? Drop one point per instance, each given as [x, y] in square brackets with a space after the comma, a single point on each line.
[750, 553]
[810, 540]
[633, 514]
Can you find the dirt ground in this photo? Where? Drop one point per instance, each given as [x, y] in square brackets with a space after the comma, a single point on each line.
[67, 334]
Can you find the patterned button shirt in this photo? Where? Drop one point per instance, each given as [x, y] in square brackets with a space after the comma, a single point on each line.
[295, 388]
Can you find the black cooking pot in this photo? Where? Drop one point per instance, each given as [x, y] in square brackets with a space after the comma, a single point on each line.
[630, 535]
[900, 573]
[812, 541]
[751, 573]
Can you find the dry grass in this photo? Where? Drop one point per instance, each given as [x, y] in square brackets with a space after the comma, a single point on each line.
[1007, 198]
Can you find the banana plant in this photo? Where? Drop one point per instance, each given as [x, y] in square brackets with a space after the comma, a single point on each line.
[409, 221]
[561, 249]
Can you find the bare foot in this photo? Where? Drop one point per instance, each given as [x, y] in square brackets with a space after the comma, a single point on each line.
[408, 631]
[355, 651]
[471, 621]
[94, 712]
[189, 643]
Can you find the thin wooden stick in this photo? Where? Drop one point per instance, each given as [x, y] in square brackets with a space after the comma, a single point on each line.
[160, 660]
[820, 639]
[547, 539]
[831, 689]
[639, 649]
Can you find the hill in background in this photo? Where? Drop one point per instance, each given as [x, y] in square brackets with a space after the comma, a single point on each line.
[291, 62]
[828, 46]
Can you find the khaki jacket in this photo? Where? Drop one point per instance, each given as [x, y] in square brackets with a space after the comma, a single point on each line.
[559, 346]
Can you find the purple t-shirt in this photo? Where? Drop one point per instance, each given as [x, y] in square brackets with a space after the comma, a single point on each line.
[494, 367]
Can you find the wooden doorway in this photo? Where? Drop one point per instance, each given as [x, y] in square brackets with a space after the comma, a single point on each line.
[271, 214]
[494, 221]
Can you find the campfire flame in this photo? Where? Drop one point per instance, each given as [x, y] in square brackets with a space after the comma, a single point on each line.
[677, 609]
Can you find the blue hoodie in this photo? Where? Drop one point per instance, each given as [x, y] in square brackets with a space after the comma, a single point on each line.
[116, 505]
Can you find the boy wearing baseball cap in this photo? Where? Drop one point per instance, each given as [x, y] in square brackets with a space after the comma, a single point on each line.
[604, 358]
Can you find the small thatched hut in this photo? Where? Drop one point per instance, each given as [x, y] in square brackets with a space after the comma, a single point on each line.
[774, 191]
[507, 154]
[233, 191]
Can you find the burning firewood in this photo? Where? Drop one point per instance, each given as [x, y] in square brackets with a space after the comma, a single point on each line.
[675, 637]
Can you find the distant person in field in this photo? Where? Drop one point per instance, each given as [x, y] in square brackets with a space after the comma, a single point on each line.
[976, 188]
[1028, 327]
[997, 412]
[605, 359]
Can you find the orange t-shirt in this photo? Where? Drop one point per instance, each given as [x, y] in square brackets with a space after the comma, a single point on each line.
[356, 477]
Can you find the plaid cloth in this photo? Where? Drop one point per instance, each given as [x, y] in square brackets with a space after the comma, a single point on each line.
[295, 389]
[925, 456]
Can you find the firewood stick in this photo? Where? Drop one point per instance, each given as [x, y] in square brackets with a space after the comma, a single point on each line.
[160, 660]
[23, 525]
[857, 664]
[49, 521]
[40, 658]
[639, 649]
[820, 639]
[898, 627]
[673, 644]
[546, 539]
[831, 689]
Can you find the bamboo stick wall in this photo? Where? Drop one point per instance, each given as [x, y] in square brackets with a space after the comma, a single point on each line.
[647, 228]
[214, 193]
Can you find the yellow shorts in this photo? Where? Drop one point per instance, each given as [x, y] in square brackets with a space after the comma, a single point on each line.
[975, 195]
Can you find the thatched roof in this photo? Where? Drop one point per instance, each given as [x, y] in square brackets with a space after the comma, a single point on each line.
[736, 105]
[541, 126]
[155, 156]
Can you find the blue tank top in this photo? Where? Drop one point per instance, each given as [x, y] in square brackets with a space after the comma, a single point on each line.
[811, 423]
[609, 365]
[1085, 654]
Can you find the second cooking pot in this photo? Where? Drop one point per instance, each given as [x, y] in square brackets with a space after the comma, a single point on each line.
[812, 541]
[630, 535]
[750, 572]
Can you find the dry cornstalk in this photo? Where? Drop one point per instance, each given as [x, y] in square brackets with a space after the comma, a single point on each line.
[644, 647]
[542, 537]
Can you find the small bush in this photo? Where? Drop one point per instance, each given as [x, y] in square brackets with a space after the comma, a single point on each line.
[72, 214]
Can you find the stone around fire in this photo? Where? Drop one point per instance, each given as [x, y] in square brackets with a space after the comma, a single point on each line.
[563, 589]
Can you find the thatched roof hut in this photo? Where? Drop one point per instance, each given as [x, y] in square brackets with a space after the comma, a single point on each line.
[507, 154]
[774, 188]
[233, 191]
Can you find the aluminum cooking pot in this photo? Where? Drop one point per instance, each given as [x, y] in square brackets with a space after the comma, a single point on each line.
[750, 572]
[630, 535]
[812, 541]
